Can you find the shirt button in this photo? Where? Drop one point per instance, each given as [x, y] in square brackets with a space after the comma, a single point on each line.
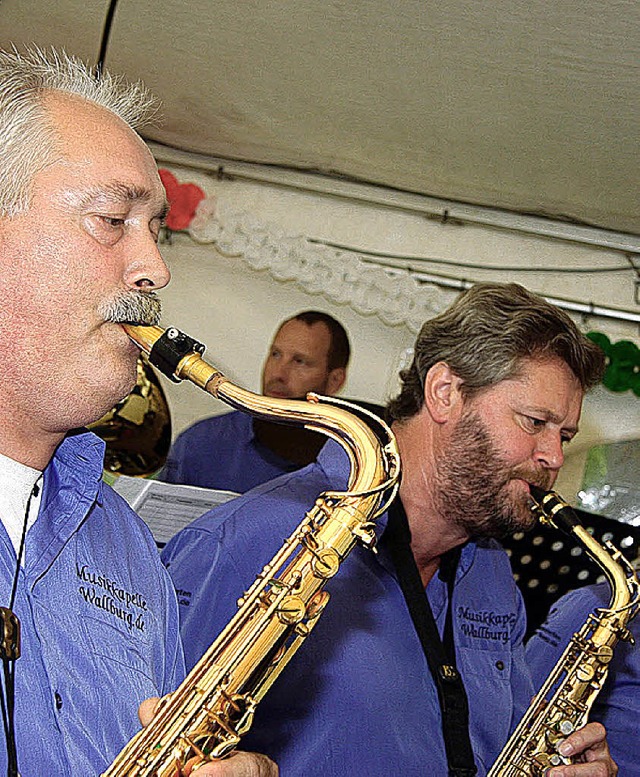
[500, 665]
[58, 699]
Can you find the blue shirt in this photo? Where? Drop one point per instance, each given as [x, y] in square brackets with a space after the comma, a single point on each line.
[222, 452]
[618, 703]
[357, 698]
[98, 618]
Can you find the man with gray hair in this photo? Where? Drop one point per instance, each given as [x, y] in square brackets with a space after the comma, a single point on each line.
[81, 204]
[417, 663]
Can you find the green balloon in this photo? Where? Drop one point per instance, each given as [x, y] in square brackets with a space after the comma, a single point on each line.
[622, 370]
[599, 338]
[623, 363]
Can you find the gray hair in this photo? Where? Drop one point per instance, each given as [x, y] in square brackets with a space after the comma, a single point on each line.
[27, 140]
[133, 307]
[484, 336]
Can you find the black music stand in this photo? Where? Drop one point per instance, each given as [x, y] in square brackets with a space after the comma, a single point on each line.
[547, 563]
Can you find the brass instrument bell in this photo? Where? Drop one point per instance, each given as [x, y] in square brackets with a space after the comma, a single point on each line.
[137, 430]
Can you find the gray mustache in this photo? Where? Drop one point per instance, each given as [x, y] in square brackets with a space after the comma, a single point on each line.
[133, 307]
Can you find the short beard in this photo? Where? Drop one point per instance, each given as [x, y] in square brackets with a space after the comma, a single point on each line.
[141, 308]
[472, 484]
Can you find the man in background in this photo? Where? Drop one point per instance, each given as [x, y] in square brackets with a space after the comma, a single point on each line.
[493, 394]
[81, 205]
[235, 452]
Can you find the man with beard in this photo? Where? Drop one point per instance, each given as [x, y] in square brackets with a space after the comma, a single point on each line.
[81, 204]
[310, 352]
[494, 391]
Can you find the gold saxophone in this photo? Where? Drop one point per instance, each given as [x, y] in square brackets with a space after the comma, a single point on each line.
[206, 716]
[563, 703]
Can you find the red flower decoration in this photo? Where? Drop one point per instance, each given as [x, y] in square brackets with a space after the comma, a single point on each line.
[183, 200]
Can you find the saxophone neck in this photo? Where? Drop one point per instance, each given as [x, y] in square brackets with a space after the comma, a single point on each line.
[553, 510]
[373, 456]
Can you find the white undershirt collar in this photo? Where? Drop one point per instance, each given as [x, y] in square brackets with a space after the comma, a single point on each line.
[17, 483]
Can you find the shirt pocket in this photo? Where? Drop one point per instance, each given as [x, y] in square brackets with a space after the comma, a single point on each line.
[120, 646]
[487, 679]
[124, 672]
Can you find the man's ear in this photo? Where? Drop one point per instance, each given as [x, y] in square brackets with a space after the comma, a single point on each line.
[442, 392]
[335, 380]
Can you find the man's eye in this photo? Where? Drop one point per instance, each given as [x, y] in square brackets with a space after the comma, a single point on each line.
[113, 221]
[155, 229]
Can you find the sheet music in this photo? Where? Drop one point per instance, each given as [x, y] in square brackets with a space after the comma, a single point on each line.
[168, 507]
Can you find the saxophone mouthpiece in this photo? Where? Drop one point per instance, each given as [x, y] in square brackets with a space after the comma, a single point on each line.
[553, 509]
[144, 337]
[166, 348]
[537, 493]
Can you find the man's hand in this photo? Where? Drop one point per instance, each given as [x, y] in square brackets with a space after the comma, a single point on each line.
[238, 764]
[589, 747]
[147, 709]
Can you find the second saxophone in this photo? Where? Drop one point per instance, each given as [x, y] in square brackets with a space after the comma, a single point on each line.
[563, 703]
[206, 716]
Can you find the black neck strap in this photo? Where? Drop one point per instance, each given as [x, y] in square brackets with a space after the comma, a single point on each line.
[440, 653]
[10, 653]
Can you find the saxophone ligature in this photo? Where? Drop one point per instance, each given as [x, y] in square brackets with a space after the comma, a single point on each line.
[564, 701]
[206, 716]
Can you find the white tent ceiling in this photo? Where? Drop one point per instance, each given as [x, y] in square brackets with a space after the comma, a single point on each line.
[523, 105]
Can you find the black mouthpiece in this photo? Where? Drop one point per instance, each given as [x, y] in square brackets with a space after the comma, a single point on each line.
[554, 509]
[169, 350]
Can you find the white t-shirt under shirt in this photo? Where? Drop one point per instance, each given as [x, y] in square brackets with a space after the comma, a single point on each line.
[17, 483]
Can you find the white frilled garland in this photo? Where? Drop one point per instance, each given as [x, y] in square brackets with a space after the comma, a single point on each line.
[393, 295]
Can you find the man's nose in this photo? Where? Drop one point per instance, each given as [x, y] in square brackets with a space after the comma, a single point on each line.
[149, 271]
[549, 450]
[281, 371]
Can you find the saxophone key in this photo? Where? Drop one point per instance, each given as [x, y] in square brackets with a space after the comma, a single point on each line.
[317, 604]
[325, 563]
[585, 673]
[366, 535]
[291, 610]
[194, 747]
[566, 727]
[235, 705]
[544, 761]
[557, 732]
[224, 724]
[605, 654]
